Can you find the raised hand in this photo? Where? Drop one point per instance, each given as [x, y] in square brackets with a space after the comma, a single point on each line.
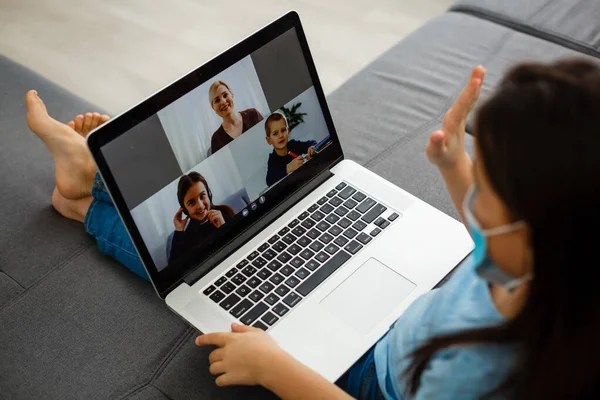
[446, 146]
[294, 165]
[179, 221]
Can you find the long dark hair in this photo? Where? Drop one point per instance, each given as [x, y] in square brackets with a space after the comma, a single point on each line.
[187, 181]
[539, 142]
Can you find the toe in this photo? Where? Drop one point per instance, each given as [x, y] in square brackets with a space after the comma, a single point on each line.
[95, 121]
[71, 124]
[78, 123]
[37, 116]
[104, 118]
[87, 123]
[34, 102]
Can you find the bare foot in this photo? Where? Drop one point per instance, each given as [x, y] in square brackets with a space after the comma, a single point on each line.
[84, 124]
[72, 209]
[74, 168]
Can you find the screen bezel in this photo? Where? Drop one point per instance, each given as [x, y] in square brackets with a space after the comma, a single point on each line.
[169, 277]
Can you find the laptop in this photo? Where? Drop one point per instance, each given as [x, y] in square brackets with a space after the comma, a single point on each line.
[234, 189]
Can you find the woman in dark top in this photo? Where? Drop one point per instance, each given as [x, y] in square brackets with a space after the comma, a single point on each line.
[195, 199]
[234, 123]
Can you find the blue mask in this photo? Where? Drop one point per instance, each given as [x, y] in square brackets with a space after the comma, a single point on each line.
[486, 269]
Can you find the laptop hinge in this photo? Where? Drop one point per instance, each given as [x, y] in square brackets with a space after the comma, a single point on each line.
[208, 265]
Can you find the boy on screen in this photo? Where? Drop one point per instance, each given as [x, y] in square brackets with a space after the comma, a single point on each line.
[287, 156]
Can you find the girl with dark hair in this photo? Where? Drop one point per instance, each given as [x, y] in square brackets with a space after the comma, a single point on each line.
[520, 318]
[204, 217]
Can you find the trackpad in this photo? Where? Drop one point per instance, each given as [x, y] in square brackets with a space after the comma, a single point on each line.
[368, 295]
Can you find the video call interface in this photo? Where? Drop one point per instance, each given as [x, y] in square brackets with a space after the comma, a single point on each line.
[215, 152]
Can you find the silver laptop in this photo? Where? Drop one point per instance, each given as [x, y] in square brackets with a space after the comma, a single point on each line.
[233, 186]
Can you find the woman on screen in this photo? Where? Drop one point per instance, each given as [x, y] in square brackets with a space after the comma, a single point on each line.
[234, 123]
[202, 217]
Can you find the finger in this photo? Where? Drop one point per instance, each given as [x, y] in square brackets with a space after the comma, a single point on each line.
[87, 123]
[468, 97]
[78, 123]
[178, 213]
[213, 339]
[217, 368]
[237, 328]
[216, 355]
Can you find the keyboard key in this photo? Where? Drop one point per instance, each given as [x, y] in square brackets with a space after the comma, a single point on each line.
[358, 196]
[296, 262]
[335, 230]
[266, 287]
[366, 205]
[308, 223]
[379, 221]
[241, 308]
[283, 231]
[353, 215]
[209, 290]
[253, 282]
[336, 201]
[312, 265]
[316, 246]
[269, 255]
[375, 232]
[307, 254]
[231, 272]
[340, 186]
[385, 224]
[294, 249]
[242, 264]
[345, 222]
[323, 226]
[323, 273]
[260, 325]
[332, 248]
[242, 291]
[256, 296]
[364, 238]
[279, 246]
[332, 218]
[253, 255]
[341, 211]
[271, 299]
[347, 192]
[350, 233]
[276, 279]
[273, 239]
[292, 281]
[282, 290]
[326, 209]
[326, 238]
[274, 265]
[322, 257]
[292, 299]
[287, 270]
[254, 313]
[229, 301]
[249, 271]
[299, 231]
[373, 213]
[263, 247]
[353, 247]
[302, 273]
[341, 241]
[221, 281]
[332, 193]
[317, 216]
[284, 257]
[313, 208]
[303, 241]
[313, 234]
[227, 288]
[393, 217]
[359, 225]
[322, 200]
[303, 216]
[238, 279]
[350, 203]
[217, 296]
[293, 224]
[264, 274]
[269, 318]
[259, 262]
[289, 238]
[280, 310]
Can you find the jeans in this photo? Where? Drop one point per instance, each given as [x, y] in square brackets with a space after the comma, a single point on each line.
[103, 222]
[360, 381]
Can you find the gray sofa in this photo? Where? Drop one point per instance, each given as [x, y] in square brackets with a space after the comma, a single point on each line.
[75, 324]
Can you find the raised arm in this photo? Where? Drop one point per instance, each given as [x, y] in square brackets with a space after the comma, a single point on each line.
[446, 147]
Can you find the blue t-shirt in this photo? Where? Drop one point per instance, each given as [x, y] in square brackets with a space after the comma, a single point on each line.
[461, 372]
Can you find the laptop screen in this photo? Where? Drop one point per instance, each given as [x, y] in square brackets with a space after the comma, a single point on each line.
[224, 152]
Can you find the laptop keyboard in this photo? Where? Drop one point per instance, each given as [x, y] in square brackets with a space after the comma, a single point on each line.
[279, 273]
